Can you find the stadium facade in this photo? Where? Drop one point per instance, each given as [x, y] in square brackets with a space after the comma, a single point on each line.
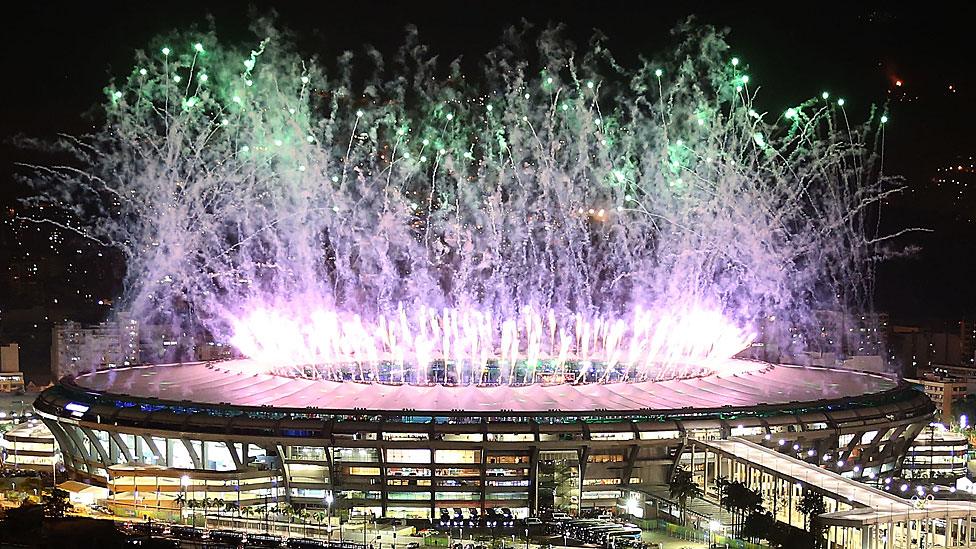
[218, 430]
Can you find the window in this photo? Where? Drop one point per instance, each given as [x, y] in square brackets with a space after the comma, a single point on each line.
[457, 456]
[408, 456]
[605, 458]
[364, 471]
[658, 435]
[356, 454]
[612, 436]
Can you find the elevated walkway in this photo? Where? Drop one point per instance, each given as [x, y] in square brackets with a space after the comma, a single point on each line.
[859, 516]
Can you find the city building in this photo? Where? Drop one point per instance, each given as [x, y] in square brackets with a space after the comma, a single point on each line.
[228, 431]
[76, 349]
[943, 392]
[29, 445]
[11, 378]
[937, 454]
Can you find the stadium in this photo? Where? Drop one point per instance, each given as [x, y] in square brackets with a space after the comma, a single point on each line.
[225, 430]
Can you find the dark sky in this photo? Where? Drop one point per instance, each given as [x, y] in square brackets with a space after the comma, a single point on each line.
[58, 56]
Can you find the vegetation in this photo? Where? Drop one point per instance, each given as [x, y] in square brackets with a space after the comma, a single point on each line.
[683, 488]
[56, 504]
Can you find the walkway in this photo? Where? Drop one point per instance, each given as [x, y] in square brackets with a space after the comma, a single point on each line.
[859, 516]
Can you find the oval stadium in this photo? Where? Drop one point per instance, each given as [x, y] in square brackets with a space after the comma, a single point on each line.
[216, 430]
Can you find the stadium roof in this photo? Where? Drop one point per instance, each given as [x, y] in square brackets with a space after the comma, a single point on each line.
[240, 383]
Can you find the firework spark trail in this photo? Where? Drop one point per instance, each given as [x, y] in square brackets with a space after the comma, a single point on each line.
[559, 221]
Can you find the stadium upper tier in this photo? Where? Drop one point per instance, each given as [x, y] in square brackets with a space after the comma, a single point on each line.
[233, 382]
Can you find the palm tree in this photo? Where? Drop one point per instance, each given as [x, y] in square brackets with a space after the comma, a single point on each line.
[812, 505]
[193, 504]
[230, 506]
[303, 514]
[740, 501]
[181, 500]
[683, 488]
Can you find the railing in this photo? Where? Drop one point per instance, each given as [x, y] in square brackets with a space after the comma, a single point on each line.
[694, 534]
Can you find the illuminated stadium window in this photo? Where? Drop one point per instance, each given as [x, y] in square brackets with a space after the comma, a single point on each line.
[604, 494]
[816, 426]
[146, 455]
[218, 457]
[518, 472]
[408, 512]
[101, 437]
[306, 472]
[604, 458]
[405, 436]
[459, 482]
[523, 482]
[255, 451]
[364, 471]
[311, 453]
[507, 496]
[465, 437]
[409, 496]
[659, 435]
[844, 440]
[308, 493]
[887, 434]
[457, 456]
[600, 481]
[706, 434]
[454, 472]
[747, 431]
[492, 459]
[511, 437]
[612, 436]
[130, 443]
[407, 456]
[868, 437]
[181, 458]
[356, 454]
[407, 481]
[408, 471]
[459, 496]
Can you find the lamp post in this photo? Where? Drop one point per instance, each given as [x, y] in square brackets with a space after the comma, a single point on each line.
[184, 483]
[328, 513]
[713, 526]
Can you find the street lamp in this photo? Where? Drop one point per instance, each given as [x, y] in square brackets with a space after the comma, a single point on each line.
[713, 526]
[184, 483]
[328, 506]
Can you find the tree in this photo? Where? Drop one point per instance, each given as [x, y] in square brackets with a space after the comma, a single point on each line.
[683, 488]
[193, 504]
[56, 504]
[566, 480]
[812, 505]
[230, 507]
[758, 525]
[740, 501]
[181, 501]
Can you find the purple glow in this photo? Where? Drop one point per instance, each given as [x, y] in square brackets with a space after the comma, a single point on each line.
[532, 347]
[505, 227]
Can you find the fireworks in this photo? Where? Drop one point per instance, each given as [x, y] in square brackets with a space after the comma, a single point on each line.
[571, 220]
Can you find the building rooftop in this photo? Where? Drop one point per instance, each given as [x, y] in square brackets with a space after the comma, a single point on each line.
[234, 382]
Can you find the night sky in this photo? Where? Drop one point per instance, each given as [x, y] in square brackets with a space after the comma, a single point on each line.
[58, 57]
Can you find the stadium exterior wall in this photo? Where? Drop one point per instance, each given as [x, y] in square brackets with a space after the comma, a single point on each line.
[392, 463]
